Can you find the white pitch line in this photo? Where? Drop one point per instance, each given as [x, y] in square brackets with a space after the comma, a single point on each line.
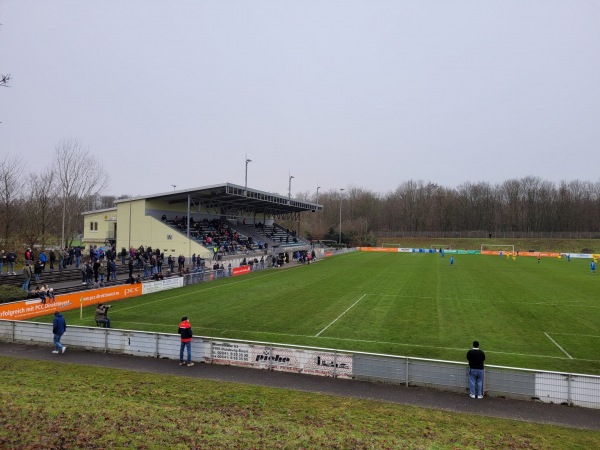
[561, 349]
[335, 320]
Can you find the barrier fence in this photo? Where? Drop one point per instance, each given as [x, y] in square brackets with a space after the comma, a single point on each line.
[550, 387]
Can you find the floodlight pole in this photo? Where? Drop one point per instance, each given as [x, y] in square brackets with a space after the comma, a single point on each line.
[341, 197]
[246, 180]
[318, 187]
[290, 188]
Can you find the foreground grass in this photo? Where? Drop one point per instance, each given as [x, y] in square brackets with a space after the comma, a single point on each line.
[53, 405]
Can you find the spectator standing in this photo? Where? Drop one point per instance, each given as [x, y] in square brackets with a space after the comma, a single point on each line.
[101, 272]
[27, 274]
[95, 267]
[43, 259]
[11, 258]
[2, 260]
[77, 253]
[113, 270]
[59, 326]
[476, 357]
[89, 272]
[52, 258]
[37, 270]
[185, 330]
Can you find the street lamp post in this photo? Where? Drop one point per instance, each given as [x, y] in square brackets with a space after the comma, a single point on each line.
[246, 179]
[290, 188]
[341, 196]
[318, 187]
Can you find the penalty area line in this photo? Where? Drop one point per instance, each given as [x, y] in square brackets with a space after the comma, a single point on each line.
[336, 319]
[555, 343]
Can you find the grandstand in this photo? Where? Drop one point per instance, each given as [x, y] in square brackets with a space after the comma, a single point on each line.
[237, 220]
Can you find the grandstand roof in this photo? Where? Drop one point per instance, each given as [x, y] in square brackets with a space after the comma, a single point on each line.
[230, 196]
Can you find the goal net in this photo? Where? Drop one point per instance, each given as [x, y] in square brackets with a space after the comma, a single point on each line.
[490, 249]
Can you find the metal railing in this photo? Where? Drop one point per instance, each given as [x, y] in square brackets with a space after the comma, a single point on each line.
[525, 384]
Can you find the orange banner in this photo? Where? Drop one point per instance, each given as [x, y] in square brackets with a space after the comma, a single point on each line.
[26, 309]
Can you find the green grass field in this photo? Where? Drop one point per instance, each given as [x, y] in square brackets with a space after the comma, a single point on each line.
[525, 314]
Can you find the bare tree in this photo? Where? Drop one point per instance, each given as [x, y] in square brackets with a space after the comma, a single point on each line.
[80, 176]
[4, 80]
[43, 206]
[11, 171]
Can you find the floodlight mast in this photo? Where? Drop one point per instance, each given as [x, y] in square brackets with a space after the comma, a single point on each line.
[290, 188]
[341, 197]
[246, 179]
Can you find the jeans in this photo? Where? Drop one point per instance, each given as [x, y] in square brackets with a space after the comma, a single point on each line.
[1, 264]
[57, 343]
[10, 267]
[77, 261]
[476, 381]
[26, 284]
[187, 345]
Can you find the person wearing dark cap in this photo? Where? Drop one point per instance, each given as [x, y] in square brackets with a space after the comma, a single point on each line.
[185, 330]
[476, 357]
[59, 326]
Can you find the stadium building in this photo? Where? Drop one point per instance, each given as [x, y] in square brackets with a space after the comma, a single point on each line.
[179, 222]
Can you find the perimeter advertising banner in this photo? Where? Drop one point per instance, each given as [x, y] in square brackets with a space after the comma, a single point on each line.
[283, 359]
[26, 309]
[161, 285]
[240, 270]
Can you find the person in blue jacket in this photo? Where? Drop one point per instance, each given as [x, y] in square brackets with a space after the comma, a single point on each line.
[59, 326]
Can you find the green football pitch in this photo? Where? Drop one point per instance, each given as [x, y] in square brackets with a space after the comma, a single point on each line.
[526, 314]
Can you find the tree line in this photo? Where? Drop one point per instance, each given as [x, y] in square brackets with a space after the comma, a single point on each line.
[44, 208]
[524, 205]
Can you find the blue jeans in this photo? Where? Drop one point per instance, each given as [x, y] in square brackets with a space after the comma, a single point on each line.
[10, 267]
[187, 345]
[57, 343]
[476, 381]
[26, 284]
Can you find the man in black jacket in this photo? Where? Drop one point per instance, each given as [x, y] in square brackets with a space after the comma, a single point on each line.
[476, 357]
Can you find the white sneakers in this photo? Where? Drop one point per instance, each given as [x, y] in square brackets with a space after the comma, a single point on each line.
[480, 396]
[472, 395]
[54, 351]
[64, 349]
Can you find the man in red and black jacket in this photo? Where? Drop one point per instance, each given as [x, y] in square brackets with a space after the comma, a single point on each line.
[185, 330]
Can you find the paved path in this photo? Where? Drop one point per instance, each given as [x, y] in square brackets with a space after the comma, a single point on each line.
[428, 398]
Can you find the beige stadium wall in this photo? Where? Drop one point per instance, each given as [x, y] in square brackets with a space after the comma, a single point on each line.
[106, 220]
[147, 230]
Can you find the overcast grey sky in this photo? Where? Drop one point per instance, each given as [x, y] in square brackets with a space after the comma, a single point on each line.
[342, 93]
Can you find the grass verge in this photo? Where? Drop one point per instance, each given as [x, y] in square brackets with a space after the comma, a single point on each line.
[56, 405]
